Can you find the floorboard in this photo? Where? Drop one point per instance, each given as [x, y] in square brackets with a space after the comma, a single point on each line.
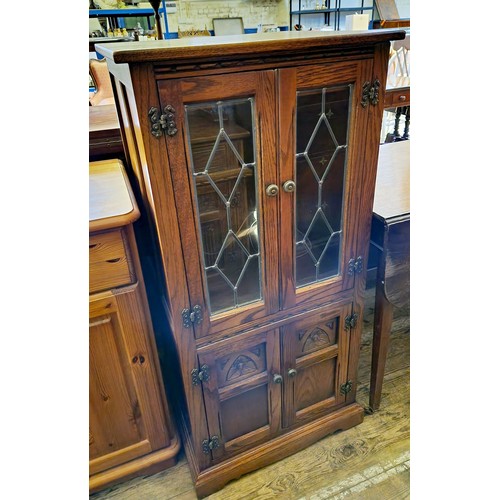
[369, 461]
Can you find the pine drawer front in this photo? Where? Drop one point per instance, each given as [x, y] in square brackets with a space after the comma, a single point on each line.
[108, 262]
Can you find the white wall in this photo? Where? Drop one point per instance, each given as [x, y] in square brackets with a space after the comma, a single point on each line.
[198, 14]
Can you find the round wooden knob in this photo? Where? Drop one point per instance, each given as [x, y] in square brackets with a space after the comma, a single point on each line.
[272, 190]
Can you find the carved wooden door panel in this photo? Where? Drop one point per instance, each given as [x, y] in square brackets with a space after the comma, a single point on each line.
[222, 156]
[315, 354]
[323, 127]
[243, 392]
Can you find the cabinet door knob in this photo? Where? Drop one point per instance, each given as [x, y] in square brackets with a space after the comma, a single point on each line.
[289, 186]
[292, 372]
[272, 190]
[277, 378]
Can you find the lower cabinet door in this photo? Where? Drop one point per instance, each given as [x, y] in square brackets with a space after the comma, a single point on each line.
[242, 393]
[315, 358]
[126, 415]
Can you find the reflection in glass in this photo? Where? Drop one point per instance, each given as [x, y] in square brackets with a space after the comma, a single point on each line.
[222, 147]
[322, 125]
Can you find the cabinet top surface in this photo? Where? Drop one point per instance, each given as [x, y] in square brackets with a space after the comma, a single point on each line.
[254, 43]
[111, 201]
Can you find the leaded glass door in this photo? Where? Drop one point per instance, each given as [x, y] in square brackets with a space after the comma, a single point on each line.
[321, 168]
[224, 151]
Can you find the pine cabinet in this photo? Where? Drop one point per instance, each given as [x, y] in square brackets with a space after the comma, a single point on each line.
[255, 158]
[131, 429]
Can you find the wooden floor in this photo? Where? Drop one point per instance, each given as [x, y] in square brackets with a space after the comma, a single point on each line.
[370, 461]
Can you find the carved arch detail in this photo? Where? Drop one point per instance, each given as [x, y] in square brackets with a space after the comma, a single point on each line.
[242, 364]
[315, 339]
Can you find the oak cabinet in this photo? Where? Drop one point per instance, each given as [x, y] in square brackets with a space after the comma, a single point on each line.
[131, 431]
[255, 160]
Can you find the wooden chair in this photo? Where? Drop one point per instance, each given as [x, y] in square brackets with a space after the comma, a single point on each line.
[398, 74]
[98, 69]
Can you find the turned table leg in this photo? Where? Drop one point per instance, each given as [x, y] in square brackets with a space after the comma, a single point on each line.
[381, 332]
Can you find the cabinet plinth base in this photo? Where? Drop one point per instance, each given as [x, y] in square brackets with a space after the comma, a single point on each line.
[148, 464]
[210, 480]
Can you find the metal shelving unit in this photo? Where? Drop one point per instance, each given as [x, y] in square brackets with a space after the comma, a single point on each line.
[115, 14]
[332, 13]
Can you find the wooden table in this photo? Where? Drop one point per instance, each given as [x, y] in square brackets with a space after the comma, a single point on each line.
[391, 235]
[105, 139]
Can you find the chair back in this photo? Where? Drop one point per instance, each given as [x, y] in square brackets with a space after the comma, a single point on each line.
[398, 74]
[99, 72]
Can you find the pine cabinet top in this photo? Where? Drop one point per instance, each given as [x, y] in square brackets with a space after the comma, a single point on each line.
[111, 201]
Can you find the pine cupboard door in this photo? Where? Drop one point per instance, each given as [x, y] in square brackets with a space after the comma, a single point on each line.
[322, 130]
[222, 157]
[126, 417]
[316, 354]
[243, 393]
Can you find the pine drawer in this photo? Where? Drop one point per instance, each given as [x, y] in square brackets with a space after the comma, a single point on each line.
[109, 264]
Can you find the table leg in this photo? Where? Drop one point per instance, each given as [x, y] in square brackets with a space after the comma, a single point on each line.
[383, 315]
[406, 132]
[396, 121]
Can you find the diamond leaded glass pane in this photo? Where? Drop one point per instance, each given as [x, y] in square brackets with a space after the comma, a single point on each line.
[320, 159]
[223, 165]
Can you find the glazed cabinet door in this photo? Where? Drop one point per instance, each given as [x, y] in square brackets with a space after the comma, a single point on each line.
[321, 160]
[127, 419]
[242, 394]
[315, 353]
[222, 156]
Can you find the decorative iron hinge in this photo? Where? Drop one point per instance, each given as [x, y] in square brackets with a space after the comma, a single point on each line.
[201, 375]
[166, 121]
[355, 266]
[210, 444]
[345, 388]
[369, 93]
[350, 321]
[193, 317]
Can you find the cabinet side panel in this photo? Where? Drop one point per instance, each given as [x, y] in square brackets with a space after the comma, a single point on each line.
[160, 194]
[372, 145]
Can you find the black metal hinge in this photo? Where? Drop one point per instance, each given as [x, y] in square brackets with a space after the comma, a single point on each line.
[345, 388]
[210, 444]
[355, 266]
[191, 317]
[162, 122]
[350, 321]
[201, 375]
[369, 93]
